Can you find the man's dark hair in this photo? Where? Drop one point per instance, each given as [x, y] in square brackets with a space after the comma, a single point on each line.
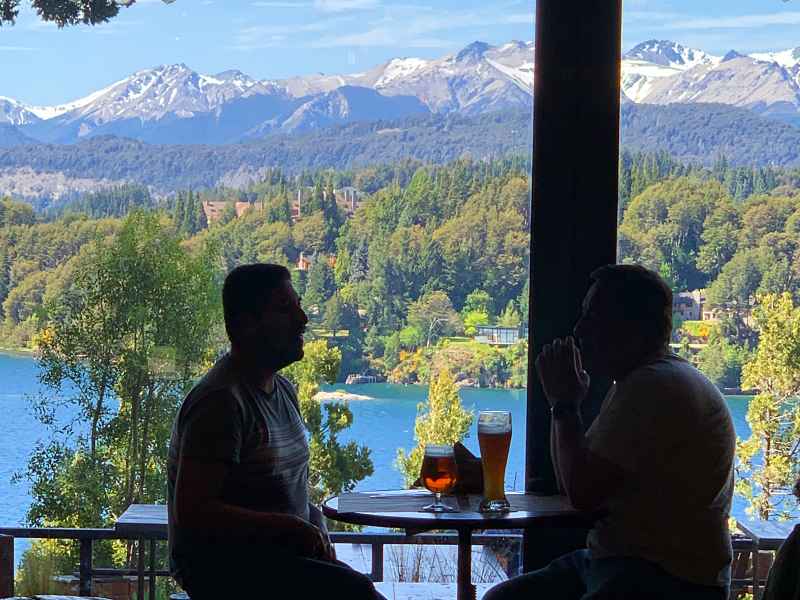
[247, 289]
[642, 297]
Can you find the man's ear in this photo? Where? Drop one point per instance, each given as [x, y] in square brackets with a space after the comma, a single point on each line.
[243, 323]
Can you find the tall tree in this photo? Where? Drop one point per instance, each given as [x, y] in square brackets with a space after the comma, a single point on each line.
[126, 340]
[441, 419]
[433, 316]
[320, 285]
[768, 460]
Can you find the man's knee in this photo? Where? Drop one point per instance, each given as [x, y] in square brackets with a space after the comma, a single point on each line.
[502, 591]
[355, 584]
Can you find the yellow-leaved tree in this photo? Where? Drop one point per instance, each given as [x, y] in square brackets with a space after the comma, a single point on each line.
[441, 419]
[767, 465]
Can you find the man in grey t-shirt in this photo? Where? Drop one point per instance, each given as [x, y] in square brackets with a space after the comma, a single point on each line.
[657, 461]
[240, 523]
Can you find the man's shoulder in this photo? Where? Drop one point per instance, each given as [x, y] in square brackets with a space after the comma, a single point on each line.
[671, 383]
[218, 386]
[669, 369]
[286, 387]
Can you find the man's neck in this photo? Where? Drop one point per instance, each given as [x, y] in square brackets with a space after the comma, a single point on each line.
[253, 371]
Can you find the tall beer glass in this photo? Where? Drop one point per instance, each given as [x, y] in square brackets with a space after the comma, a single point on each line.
[494, 438]
[439, 475]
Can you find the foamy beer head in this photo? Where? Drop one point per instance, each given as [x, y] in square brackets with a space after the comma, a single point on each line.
[494, 438]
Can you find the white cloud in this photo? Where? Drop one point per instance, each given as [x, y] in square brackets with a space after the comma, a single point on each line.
[17, 49]
[381, 36]
[420, 27]
[738, 22]
[405, 25]
[345, 5]
[257, 37]
[281, 4]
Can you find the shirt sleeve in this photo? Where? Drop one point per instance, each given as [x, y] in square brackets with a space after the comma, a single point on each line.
[627, 432]
[213, 429]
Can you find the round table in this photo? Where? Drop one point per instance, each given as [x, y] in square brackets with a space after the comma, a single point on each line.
[538, 511]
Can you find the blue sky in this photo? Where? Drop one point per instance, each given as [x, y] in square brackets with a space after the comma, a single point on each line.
[279, 38]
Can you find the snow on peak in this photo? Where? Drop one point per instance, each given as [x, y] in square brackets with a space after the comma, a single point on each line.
[399, 68]
[670, 54]
[788, 59]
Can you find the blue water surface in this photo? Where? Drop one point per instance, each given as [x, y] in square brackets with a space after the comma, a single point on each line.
[383, 423]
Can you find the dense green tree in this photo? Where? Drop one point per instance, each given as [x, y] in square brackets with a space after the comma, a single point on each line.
[441, 419]
[334, 467]
[663, 228]
[319, 285]
[122, 346]
[434, 317]
[721, 361]
[769, 460]
[510, 316]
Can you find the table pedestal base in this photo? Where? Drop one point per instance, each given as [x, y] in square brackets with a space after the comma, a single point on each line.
[465, 588]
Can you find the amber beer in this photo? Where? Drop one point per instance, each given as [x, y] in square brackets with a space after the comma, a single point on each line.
[439, 474]
[494, 438]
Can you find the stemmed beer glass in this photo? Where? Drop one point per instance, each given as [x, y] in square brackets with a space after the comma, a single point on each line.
[494, 438]
[439, 475]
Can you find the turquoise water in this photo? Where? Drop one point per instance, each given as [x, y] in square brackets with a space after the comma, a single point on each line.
[384, 424]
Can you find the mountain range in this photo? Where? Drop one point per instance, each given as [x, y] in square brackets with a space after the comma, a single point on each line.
[174, 104]
[171, 127]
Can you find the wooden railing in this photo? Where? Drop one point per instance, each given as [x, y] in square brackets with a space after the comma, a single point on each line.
[377, 541]
[86, 538]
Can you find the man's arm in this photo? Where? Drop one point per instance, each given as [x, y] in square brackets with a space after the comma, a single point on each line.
[199, 507]
[589, 480]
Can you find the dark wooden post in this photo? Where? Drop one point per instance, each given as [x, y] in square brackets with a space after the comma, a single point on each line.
[85, 567]
[6, 566]
[575, 171]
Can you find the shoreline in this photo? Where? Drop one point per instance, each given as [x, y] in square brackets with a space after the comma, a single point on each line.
[18, 352]
[30, 353]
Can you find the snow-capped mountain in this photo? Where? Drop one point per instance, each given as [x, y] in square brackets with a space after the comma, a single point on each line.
[173, 103]
[764, 87]
[351, 103]
[15, 113]
[478, 78]
[652, 60]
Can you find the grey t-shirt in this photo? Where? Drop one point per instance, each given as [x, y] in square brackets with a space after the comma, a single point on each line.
[669, 428]
[260, 436]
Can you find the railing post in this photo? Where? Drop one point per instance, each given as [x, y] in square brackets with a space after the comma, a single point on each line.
[85, 568]
[377, 562]
[6, 566]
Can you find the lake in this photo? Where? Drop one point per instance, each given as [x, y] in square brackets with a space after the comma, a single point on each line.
[384, 424]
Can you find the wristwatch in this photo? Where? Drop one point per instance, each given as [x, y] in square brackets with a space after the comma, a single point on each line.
[559, 410]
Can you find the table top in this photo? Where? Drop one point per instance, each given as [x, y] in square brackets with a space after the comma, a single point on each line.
[143, 520]
[767, 534]
[534, 511]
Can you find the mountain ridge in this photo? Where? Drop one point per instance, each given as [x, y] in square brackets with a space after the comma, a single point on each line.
[172, 103]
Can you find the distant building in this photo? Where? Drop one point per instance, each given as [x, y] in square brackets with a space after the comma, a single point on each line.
[347, 198]
[689, 305]
[305, 261]
[500, 336]
[215, 209]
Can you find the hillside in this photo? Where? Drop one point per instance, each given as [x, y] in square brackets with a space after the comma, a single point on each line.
[690, 132]
[432, 138]
[702, 132]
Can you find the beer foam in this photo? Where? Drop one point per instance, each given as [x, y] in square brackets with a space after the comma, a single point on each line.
[494, 428]
[438, 450]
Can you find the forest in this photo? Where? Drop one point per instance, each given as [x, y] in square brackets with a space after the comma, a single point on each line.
[433, 252]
